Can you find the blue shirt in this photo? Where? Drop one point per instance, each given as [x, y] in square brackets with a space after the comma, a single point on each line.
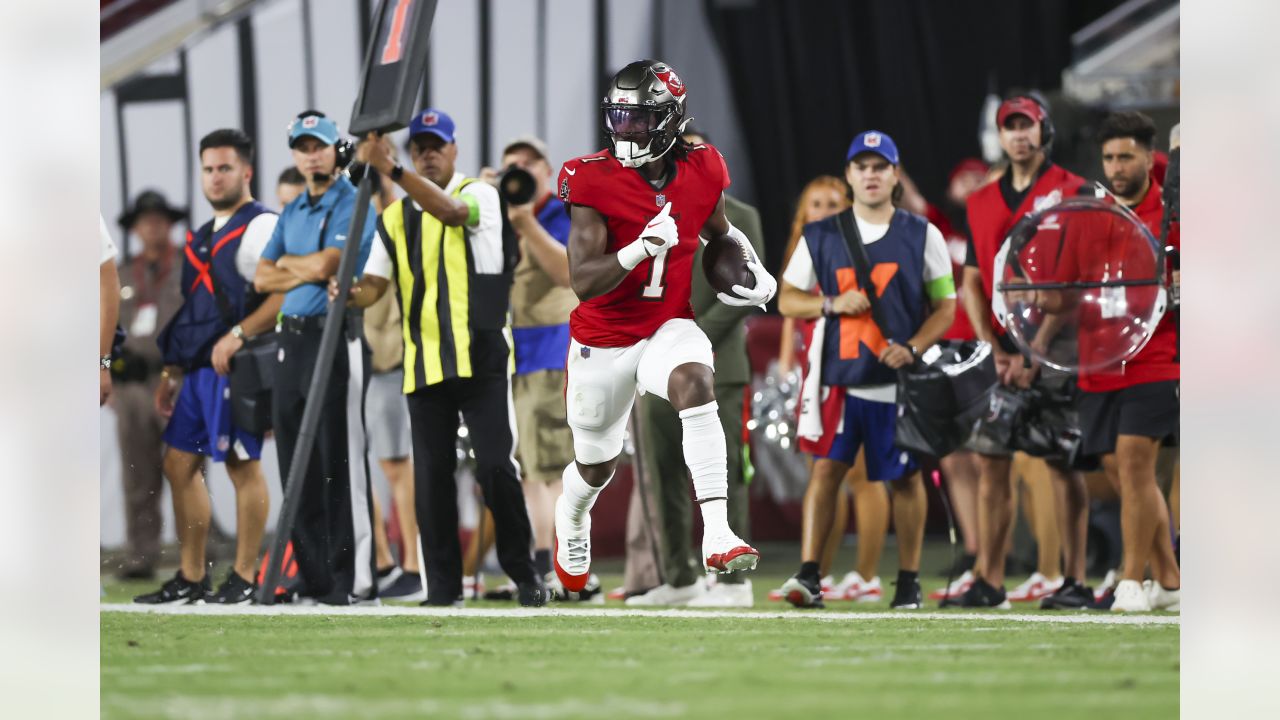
[305, 227]
[545, 347]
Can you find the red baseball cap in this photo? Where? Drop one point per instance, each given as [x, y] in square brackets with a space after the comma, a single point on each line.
[1020, 106]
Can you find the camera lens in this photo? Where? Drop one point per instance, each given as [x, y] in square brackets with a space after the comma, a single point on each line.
[516, 186]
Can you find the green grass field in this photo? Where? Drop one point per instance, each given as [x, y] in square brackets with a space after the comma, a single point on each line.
[638, 666]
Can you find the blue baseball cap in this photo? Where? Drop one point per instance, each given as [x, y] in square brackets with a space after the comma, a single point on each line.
[317, 126]
[432, 121]
[873, 141]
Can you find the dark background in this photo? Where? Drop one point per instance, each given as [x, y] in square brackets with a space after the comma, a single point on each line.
[807, 76]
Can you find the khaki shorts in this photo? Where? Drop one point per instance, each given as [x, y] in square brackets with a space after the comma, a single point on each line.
[546, 442]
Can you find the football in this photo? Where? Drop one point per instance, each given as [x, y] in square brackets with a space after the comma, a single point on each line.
[724, 262]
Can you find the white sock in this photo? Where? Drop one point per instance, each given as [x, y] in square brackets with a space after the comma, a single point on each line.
[578, 495]
[705, 451]
[715, 516]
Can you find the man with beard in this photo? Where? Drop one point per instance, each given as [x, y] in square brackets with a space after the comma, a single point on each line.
[217, 314]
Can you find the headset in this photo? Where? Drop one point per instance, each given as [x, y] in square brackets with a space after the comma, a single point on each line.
[344, 149]
[1047, 131]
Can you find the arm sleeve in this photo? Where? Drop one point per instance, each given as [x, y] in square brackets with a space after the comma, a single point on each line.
[255, 239]
[485, 236]
[939, 283]
[379, 262]
[800, 272]
[275, 244]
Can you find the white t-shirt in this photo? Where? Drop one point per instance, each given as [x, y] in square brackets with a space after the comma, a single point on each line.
[252, 242]
[937, 264]
[108, 251]
[485, 236]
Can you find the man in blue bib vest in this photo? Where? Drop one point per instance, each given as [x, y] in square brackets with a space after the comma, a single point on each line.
[333, 532]
[854, 358]
[217, 314]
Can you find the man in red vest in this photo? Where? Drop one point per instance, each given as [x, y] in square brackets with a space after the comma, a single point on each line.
[1031, 183]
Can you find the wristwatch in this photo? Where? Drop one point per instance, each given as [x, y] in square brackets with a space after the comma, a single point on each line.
[237, 332]
[104, 362]
[397, 172]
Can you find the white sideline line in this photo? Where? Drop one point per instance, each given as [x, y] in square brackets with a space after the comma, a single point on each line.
[423, 612]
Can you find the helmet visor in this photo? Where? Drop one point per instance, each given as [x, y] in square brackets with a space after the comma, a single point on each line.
[632, 121]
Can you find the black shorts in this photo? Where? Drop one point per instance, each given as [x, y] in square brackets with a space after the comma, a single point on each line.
[1146, 410]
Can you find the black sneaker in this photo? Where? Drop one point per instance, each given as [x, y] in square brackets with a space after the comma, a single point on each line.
[234, 591]
[532, 593]
[1075, 596]
[1103, 603]
[178, 591]
[803, 593]
[907, 595]
[982, 595]
[406, 587]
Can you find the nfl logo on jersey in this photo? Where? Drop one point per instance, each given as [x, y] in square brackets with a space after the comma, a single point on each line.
[660, 200]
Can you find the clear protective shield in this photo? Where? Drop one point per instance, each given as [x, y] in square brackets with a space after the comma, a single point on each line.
[1080, 286]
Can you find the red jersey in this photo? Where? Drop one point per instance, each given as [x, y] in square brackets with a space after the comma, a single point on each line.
[656, 290]
[1158, 359]
[990, 219]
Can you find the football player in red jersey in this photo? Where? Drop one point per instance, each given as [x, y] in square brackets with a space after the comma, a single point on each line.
[636, 211]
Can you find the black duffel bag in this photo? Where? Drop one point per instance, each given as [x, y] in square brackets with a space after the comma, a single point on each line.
[251, 379]
[942, 396]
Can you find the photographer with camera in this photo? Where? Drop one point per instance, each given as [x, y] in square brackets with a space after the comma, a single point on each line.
[541, 301]
[333, 533]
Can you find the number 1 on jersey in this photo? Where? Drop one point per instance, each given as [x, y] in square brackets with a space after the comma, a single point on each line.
[655, 289]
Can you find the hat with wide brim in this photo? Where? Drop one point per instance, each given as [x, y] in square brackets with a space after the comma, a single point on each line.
[150, 201]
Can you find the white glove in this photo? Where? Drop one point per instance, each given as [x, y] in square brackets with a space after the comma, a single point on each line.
[762, 293]
[658, 237]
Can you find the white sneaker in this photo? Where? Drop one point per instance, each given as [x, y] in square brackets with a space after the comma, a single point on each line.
[731, 595]
[1108, 583]
[1161, 599]
[572, 558]
[667, 595]
[855, 587]
[1037, 587]
[724, 552]
[956, 589]
[1130, 597]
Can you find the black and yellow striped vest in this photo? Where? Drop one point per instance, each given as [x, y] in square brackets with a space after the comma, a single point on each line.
[455, 322]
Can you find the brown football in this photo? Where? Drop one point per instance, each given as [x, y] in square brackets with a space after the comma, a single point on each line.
[724, 262]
